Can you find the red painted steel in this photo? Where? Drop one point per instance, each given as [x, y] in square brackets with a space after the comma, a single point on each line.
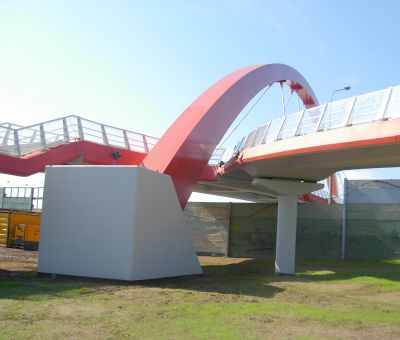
[84, 152]
[313, 199]
[186, 147]
[335, 192]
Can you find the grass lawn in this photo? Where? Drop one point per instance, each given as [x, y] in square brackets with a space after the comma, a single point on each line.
[234, 299]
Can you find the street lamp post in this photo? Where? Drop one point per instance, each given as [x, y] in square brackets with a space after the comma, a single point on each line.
[346, 88]
[330, 179]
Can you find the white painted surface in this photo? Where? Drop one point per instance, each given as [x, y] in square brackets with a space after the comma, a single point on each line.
[116, 222]
[286, 235]
[286, 187]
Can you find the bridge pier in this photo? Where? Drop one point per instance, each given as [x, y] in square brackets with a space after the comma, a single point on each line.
[286, 234]
[287, 191]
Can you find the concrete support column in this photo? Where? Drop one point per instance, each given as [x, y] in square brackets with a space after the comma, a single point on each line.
[287, 192]
[286, 235]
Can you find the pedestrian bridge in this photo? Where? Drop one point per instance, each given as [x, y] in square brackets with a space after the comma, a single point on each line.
[282, 160]
[310, 145]
[357, 132]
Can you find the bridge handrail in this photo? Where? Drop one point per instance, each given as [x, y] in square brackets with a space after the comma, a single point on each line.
[379, 105]
[362, 109]
[18, 140]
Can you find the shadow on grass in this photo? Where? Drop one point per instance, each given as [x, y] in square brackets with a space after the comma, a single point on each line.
[233, 279]
[248, 278]
[257, 277]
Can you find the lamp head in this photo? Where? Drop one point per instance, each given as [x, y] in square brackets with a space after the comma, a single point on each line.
[116, 154]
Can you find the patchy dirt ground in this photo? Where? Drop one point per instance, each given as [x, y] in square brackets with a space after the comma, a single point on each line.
[17, 260]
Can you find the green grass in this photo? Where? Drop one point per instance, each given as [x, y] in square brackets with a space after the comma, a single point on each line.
[325, 299]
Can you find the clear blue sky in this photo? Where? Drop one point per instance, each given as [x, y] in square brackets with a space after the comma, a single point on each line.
[139, 64]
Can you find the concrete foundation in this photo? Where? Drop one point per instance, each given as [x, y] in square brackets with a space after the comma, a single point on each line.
[115, 222]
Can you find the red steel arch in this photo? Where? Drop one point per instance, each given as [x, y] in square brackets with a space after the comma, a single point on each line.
[185, 148]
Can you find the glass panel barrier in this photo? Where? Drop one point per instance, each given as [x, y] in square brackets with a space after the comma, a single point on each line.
[260, 135]
[393, 109]
[240, 144]
[216, 156]
[249, 140]
[273, 130]
[290, 125]
[367, 107]
[335, 114]
[310, 120]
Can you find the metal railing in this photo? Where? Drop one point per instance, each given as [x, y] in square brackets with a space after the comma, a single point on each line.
[367, 108]
[18, 141]
[363, 109]
[380, 105]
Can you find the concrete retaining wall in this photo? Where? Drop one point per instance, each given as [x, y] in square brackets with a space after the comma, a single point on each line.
[249, 230]
[373, 219]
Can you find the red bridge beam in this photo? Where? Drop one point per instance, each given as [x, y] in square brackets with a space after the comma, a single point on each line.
[83, 152]
[185, 148]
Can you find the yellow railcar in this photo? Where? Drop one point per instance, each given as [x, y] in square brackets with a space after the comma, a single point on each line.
[20, 229]
[26, 236]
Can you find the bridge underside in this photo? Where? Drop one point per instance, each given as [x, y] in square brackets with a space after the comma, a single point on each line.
[238, 184]
[320, 165]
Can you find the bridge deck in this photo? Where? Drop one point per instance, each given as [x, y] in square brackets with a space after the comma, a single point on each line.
[358, 132]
